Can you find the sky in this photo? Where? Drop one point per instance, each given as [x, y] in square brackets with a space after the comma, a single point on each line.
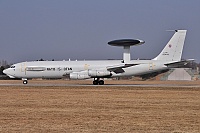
[80, 29]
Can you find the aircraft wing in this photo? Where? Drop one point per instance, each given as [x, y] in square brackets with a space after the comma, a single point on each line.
[179, 63]
[118, 68]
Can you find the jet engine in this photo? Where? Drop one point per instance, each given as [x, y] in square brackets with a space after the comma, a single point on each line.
[98, 73]
[79, 75]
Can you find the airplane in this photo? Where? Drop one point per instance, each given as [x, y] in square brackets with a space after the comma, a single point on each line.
[170, 57]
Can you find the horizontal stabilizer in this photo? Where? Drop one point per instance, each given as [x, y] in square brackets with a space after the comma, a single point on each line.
[179, 63]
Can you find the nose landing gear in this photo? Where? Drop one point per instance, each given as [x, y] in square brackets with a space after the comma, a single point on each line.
[98, 82]
[25, 81]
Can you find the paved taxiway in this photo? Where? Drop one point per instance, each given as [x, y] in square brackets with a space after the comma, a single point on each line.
[106, 85]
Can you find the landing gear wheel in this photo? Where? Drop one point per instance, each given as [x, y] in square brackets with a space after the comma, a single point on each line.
[25, 81]
[98, 82]
[95, 82]
[101, 82]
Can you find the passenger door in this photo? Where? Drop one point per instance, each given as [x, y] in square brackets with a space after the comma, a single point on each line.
[23, 68]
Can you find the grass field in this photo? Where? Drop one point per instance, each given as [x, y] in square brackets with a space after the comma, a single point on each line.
[99, 109]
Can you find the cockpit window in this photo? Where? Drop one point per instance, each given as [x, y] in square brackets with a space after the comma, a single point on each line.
[12, 67]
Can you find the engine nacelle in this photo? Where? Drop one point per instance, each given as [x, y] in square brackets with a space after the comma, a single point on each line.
[98, 73]
[79, 75]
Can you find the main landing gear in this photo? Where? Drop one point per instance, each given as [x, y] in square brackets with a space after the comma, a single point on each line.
[98, 82]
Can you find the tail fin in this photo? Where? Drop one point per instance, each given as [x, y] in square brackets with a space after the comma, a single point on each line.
[173, 49]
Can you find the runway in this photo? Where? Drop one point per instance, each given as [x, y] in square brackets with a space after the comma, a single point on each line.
[106, 85]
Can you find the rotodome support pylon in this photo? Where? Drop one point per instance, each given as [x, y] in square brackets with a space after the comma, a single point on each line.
[126, 44]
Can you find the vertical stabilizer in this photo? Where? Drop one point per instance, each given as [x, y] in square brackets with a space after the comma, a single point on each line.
[173, 49]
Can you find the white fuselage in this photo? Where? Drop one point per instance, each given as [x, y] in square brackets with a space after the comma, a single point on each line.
[59, 69]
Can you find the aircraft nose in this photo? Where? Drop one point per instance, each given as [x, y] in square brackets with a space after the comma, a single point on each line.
[8, 72]
[5, 71]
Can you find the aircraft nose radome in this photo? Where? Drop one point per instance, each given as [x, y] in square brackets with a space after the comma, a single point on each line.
[8, 72]
[5, 71]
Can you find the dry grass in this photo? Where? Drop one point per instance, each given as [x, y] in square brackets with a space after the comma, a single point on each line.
[99, 109]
